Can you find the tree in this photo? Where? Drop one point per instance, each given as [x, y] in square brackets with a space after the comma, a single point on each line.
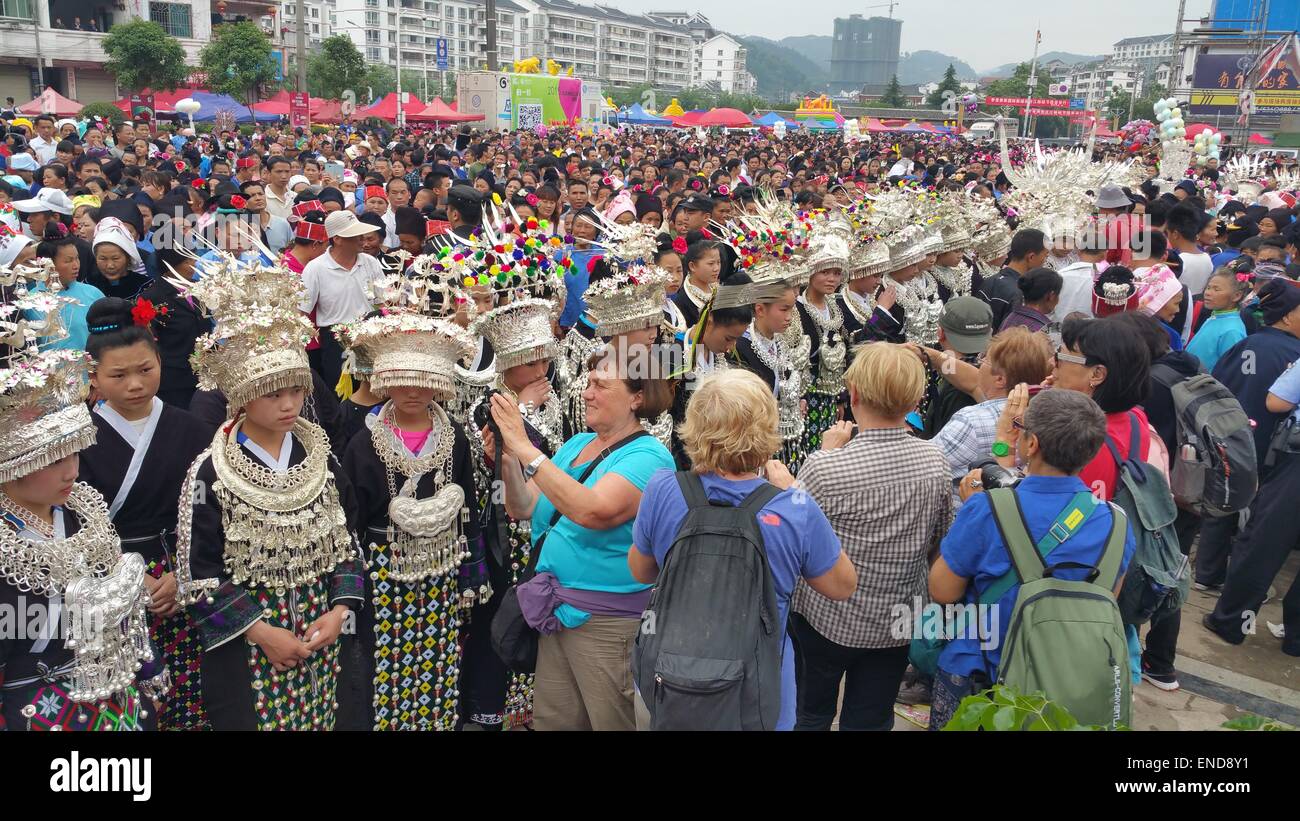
[238, 62]
[949, 83]
[893, 96]
[335, 68]
[624, 97]
[105, 111]
[141, 54]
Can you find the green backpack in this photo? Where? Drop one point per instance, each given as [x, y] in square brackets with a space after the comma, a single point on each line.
[1065, 638]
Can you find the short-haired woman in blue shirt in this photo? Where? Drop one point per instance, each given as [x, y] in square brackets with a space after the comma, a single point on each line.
[592, 605]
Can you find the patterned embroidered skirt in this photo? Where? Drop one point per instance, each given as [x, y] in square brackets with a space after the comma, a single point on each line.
[177, 638]
[49, 708]
[305, 697]
[519, 690]
[822, 408]
[417, 649]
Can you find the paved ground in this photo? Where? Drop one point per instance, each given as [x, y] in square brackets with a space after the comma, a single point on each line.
[1220, 681]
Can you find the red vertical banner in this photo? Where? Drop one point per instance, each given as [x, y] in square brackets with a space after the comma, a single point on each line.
[299, 112]
[142, 107]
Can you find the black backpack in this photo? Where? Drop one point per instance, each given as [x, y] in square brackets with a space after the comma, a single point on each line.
[708, 656]
[1212, 469]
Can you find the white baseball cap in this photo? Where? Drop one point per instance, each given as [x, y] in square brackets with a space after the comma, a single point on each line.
[346, 224]
[47, 199]
[23, 161]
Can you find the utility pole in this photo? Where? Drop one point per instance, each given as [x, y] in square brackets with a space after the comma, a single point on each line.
[1033, 81]
[401, 110]
[300, 21]
[490, 12]
[1176, 62]
[40, 67]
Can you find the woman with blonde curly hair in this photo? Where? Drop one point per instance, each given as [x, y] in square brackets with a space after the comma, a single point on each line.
[730, 436]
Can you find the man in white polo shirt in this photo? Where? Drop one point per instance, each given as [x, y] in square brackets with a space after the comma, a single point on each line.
[337, 284]
[279, 199]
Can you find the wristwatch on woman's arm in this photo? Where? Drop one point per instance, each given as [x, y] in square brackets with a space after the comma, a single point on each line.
[530, 469]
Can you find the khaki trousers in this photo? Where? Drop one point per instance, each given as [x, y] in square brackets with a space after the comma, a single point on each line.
[584, 677]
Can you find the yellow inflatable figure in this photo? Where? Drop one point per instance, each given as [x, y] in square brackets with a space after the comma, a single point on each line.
[530, 66]
[569, 72]
[674, 109]
[552, 67]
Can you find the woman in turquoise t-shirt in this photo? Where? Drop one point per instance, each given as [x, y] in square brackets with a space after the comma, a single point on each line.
[583, 679]
[1223, 295]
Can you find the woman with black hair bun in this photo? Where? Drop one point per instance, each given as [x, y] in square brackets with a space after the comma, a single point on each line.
[143, 449]
[60, 247]
[1041, 290]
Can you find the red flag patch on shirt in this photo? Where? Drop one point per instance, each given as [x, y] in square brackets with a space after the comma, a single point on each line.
[771, 519]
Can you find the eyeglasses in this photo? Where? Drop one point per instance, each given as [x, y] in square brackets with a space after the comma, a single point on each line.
[1077, 359]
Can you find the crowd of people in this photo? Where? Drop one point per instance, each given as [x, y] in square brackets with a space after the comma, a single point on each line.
[428, 429]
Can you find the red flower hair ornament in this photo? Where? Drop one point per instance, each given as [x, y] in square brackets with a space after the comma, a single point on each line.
[144, 312]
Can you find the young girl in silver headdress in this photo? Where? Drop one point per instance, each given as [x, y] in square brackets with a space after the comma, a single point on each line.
[142, 452]
[414, 480]
[81, 658]
[265, 554]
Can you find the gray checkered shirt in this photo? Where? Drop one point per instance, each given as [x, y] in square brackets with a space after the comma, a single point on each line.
[889, 499]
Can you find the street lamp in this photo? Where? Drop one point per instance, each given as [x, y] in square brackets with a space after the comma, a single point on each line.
[189, 107]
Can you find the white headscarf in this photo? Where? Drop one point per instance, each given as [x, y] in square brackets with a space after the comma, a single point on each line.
[11, 245]
[113, 230]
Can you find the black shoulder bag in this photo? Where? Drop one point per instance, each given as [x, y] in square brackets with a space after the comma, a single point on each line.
[514, 641]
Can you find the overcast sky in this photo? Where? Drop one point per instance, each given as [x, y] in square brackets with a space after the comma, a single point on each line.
[984, 33]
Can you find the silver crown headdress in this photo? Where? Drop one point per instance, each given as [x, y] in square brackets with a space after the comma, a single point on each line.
[828, 244]
[1243, 175]
[41, 390]
[258, 344]
[632, 297]
[410, 350]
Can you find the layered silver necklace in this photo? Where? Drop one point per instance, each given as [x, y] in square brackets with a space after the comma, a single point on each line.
[922, 307]
[957, 280]
[424, 538]
[102, 589]
[833, 354]
[698, 296]
[777, 358]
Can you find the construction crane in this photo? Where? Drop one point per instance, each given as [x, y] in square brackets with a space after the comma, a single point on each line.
[882, 5]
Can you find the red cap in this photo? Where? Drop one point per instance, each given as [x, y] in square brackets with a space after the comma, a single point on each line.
[313, 231]
[376, 191]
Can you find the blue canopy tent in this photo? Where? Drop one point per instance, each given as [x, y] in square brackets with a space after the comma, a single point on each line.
[913, 128]
[820, 125]
[211, 104]
[636, 115]
[771, 118]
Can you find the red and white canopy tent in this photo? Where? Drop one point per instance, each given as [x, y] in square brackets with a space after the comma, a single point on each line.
[386, 108]
[51, 102]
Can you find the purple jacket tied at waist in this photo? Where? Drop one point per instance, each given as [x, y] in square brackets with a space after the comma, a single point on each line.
[540, 595]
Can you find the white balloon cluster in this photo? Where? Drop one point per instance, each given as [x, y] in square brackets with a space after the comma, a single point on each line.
[852, 130]
[1169, 118]
[1207, 146]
